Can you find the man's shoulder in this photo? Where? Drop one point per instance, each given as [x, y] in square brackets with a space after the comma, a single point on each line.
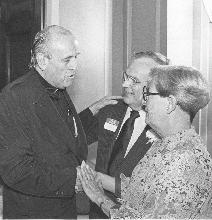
[120, 106]
[25, 82]
[113, 111]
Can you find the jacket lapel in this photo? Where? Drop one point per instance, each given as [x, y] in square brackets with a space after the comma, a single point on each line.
[136, 153]
[117, 116]
[107, 137]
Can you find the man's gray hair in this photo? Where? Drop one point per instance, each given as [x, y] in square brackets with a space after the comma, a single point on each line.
[42, 39]
[156, 56]
[186, 84]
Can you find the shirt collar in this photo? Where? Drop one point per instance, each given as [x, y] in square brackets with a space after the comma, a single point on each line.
[51, 90]
[142, 113]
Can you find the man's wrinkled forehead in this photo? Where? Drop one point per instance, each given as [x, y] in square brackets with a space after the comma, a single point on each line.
[142, 65]
[64, 43]
[146, 61]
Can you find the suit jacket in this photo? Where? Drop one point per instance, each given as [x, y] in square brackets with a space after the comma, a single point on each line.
[38, 153]
[95, 131]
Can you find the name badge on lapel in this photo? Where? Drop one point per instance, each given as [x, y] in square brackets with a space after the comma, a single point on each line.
[111, 124]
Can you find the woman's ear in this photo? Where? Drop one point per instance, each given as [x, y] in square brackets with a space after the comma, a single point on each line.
[42, 61]
[172, 103]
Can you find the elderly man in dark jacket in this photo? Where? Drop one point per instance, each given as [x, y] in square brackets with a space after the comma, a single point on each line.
[41, 136]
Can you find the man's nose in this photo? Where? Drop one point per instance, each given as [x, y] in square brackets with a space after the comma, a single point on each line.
[144, 105]
[126, 83]
[73, 64]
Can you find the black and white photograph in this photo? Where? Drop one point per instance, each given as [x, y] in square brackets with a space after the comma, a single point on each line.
[105, 109]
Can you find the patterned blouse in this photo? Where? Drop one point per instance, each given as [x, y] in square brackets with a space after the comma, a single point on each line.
[173, 180]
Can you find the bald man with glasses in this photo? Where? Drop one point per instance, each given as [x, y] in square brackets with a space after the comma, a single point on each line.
[121, 129]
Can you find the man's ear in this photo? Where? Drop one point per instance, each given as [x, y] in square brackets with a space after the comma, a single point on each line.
[172, 103]
[42, 61]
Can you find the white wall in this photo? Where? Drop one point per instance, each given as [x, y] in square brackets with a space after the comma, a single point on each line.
[89, 21]
[180, 31]
[52, 12]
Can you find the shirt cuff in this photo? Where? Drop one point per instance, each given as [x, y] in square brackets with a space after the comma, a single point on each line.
[88, 111]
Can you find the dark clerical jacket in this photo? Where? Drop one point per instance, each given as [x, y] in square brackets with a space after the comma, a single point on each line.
[39, 153]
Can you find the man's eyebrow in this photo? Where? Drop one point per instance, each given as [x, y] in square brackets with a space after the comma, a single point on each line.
[69, 57]
[134, 77]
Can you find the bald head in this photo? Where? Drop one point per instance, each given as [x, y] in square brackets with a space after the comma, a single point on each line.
[45, 39]
[54, 56]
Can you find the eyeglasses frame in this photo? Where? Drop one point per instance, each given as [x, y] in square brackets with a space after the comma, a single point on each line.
[126, 77]
[146, 93]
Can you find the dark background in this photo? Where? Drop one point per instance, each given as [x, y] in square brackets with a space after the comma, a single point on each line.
[19, 22]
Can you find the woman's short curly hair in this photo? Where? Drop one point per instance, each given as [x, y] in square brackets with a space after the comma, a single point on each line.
[186, 84]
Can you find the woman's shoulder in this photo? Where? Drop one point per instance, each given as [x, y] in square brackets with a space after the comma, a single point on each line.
[190, 159]
[188, 144]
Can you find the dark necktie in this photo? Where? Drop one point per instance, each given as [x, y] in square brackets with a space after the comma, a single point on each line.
[124, 137]
[129, 127]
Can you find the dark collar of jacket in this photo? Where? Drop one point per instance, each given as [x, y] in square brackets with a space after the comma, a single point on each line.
[53, 92]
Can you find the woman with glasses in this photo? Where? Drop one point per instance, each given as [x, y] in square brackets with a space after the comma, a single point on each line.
[174, 179]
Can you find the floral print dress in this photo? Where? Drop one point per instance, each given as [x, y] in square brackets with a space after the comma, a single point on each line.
[173, 180]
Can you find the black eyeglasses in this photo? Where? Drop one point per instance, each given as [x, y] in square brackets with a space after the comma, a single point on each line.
[133, 79]
[147, 93]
